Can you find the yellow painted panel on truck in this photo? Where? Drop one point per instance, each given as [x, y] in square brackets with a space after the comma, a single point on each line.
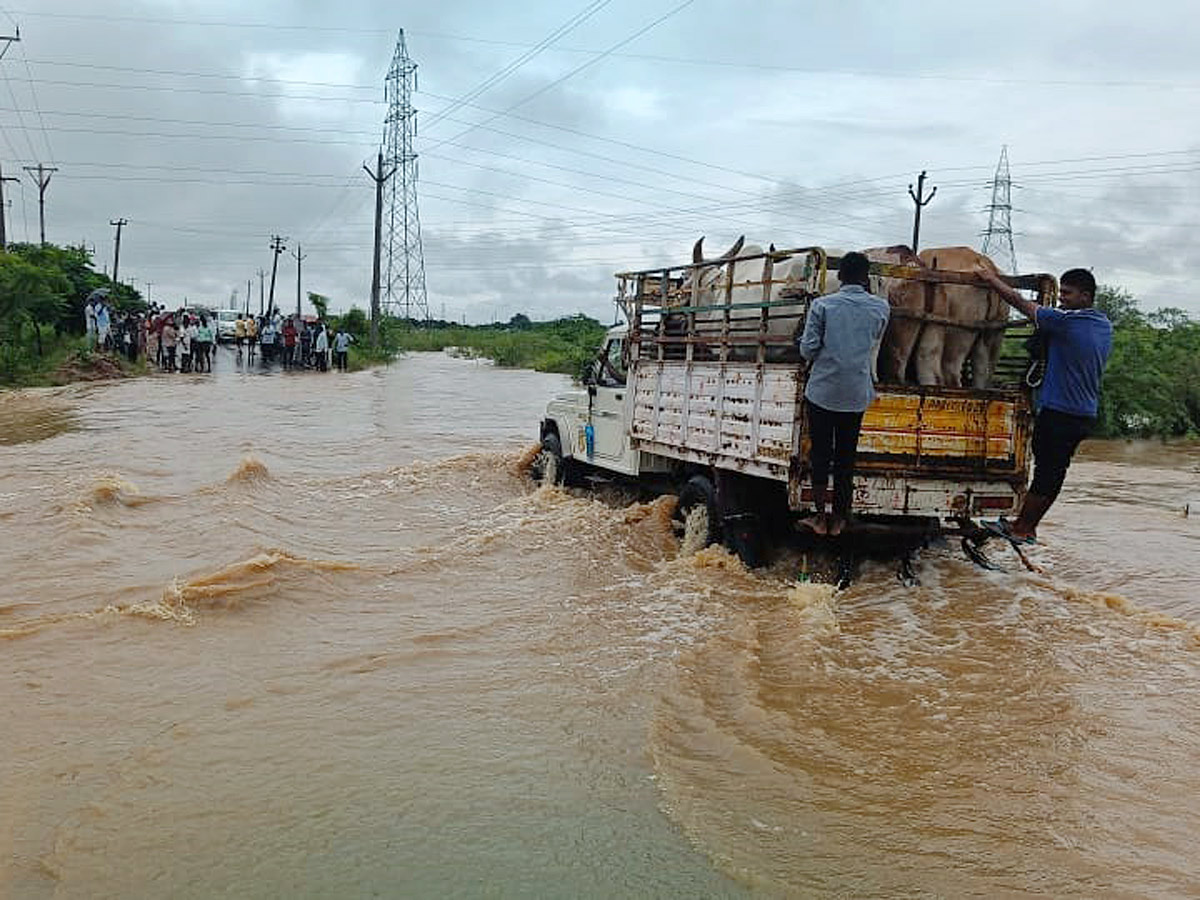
[920, 430]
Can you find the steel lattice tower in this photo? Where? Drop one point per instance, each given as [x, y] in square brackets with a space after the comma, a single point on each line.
[999, 234]
[404, 272]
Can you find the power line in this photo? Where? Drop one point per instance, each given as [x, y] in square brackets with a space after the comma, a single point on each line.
[213, 23]
[659, 59]
[570, 25]
[571, 74]
[37, 107]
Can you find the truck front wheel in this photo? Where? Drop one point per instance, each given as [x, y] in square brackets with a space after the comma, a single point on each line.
[696, 518]
[549, 467]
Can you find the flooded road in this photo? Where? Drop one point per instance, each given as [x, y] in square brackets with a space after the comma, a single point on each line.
[317, 635]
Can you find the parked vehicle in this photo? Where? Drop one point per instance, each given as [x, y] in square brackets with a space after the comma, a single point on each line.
[705, 399]
[227, 324]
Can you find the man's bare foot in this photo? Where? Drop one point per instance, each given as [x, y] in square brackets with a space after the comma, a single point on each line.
[836, 525]
[817, 523]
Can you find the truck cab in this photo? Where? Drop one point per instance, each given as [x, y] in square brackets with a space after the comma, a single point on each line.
[589, 425]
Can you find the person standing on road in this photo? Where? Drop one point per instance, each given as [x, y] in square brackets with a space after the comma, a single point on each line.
[170, 337]
[289, 343]
[103, 326]
[268, 341]
[89, 321]
[341, 349]
[841, 337]
[321, 348]
[239, 333]
[251, 337]
[203, 345]
[1078, 339]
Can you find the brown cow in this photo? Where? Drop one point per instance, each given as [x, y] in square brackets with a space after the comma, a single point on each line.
[954, 345]
[900, 339]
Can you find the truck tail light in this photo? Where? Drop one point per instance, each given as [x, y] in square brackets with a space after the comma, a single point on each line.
[985, 502]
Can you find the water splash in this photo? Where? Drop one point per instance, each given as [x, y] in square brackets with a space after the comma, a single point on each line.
[251, 470]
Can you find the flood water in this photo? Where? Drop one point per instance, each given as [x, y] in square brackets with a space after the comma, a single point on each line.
[318, 636]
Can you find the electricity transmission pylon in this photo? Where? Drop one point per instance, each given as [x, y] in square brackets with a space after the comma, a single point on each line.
[404, 267]
[999, 235]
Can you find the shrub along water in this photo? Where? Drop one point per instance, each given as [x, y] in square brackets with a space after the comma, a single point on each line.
[42, 292]
[562, 345]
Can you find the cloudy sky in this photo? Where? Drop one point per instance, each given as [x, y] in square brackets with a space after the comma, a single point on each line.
[562, 141]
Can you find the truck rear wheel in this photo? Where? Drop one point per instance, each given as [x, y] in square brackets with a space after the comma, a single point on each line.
[696, 518]
[549, 467]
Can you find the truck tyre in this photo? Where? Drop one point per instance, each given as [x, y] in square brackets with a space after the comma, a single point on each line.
[549, 467]
[697, 508]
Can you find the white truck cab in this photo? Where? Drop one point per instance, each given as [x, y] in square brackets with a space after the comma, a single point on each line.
[591, 423]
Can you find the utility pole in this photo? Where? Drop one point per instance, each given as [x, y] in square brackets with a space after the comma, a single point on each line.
[149, 284]
[44, 174]
[120, 223]
[921, 201]
[3, 233]
[299, 257]
[277, 247]
[247, 296]
[261, 276]
[379, 178]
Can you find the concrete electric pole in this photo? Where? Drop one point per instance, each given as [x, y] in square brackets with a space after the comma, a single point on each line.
[299, 257]
[921, 201]
[119, 223]
[277, 247]
[379, 177]
[3, 231]
[44, 174]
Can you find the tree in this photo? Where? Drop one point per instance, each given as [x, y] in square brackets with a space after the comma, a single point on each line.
[1118, 304]
[520, 322]
[30, 297]
[320, 303]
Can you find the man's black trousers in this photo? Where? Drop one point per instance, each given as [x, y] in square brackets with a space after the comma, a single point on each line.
[834, 437]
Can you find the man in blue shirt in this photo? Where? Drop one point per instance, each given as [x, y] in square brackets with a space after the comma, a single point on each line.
[841, 339]
[1078, 339]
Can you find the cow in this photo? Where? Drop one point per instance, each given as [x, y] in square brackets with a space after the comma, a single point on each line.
[981, 312]
[900, 340]
[791, 277]
[913, 349]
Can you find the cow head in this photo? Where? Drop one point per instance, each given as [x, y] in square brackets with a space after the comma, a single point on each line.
[698, 251]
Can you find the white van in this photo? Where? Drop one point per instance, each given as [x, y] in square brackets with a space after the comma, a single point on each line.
[227, 324]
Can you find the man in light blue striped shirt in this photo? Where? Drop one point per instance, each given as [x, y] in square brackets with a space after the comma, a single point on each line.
[841, 337]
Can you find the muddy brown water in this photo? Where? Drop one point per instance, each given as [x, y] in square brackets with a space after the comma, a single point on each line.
[306, 635]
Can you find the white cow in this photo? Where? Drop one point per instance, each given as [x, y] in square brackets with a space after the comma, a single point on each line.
[718, 283]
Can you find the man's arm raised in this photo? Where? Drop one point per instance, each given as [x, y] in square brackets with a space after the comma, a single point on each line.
[1027, 307]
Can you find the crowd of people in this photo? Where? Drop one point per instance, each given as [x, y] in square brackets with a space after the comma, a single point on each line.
[293, 342]
[183, 340]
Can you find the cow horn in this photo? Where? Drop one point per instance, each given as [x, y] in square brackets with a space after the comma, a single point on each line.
[698, 250]
[735, 249]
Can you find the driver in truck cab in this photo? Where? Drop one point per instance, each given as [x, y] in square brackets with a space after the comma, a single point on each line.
[841, 336]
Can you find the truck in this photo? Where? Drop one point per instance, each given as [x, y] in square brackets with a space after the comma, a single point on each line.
[702, 396]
